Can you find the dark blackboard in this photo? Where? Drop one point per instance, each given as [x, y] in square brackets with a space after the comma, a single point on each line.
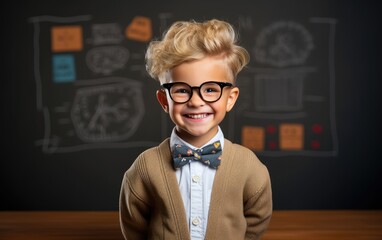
[79, 106]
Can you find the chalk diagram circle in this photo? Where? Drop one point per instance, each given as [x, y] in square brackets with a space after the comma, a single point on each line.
[282, 44]
[107, 113]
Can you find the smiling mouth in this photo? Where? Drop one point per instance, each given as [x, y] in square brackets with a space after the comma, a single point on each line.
[197, 116]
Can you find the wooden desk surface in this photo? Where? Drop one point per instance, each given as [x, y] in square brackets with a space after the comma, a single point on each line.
[285, 225]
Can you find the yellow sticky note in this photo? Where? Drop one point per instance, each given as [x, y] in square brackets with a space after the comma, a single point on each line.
[291, 136]
[253, 137]
[66, 38]
[139, 29]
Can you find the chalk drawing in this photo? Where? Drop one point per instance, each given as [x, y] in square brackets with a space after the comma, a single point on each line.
[82, 108]
[283, 43]
[290, 85]
[107, 59]
[108, 112]
[108, 33]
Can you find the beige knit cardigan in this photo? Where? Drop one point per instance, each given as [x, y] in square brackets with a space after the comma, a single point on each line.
[151, 206]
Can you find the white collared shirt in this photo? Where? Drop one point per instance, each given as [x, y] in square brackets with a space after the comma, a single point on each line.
[195, 184]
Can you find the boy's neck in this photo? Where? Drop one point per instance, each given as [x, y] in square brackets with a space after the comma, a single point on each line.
[196, 141]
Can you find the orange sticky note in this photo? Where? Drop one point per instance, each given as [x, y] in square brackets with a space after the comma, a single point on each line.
[66, 38]
[139, 29]
[253, 137]
[291, 136]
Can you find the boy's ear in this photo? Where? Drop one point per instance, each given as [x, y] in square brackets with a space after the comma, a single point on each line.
[162, 99]
[233, 95]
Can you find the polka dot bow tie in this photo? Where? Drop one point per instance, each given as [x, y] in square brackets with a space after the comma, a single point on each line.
[209, 155]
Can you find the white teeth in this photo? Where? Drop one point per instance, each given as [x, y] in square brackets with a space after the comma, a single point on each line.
[197, 116]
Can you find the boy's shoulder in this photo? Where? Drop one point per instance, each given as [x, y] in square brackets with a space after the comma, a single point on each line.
[152, 157]
[242, 153]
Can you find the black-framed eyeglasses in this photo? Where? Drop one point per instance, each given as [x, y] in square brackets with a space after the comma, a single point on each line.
[181, 92]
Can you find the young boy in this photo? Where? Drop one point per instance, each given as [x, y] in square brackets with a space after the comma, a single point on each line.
[196, 184]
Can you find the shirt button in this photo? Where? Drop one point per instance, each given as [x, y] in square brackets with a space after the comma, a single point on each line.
[195, 222]
[196, 179]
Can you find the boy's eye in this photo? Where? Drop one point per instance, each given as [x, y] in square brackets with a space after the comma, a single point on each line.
[180, 89]
[210, 90]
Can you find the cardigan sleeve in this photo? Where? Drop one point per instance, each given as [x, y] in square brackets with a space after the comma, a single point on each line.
[258, 207]
[134, 208]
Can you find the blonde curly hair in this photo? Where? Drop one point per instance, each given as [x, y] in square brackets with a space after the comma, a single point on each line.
[186, 41]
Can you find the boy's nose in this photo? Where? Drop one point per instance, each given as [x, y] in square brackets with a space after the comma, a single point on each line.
[196, 99]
